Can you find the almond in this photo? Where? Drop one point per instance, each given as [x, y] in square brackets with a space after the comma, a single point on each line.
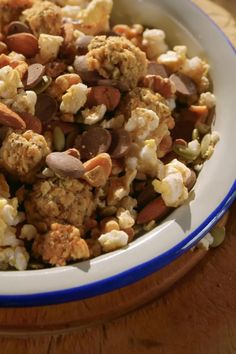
[32, 122]
[24, 43]
[155, 210]
[10, 118]
[110, 96]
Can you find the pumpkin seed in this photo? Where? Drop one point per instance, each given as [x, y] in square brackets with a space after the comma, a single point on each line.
[184, 152]
[202, 128]
[195, 134]
[218, 233]
[58, 139]
[205, 145]
[43, 85]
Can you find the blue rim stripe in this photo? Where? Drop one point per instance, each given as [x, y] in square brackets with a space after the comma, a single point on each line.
[127, 277]
[139, 272]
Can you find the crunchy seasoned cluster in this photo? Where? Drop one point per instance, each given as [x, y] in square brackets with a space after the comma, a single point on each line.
[117, 58]
[60, 245]
[145, 98]
[43, 17]
[22, 155]
[58, 200]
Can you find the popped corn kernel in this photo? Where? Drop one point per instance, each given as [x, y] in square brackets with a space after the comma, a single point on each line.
[9, 82]
[74, 99]
[113, 240]
[25, 102]
[172, 60]
[154, 43]
[172, 186]
[207, 99]
[125, 218]
[28, 232]
[16, 257]
[95, 17]
[142, 122]
[94, 115]
[49, 46]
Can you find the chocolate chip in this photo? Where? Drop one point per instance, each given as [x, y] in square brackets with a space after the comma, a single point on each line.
[46, 107]
[17, 27]
[65, 165]
[157, 69]
[81, 68]
[82, 44]
[121, 142]
[94, 141]
[184, 85]
[33, 76]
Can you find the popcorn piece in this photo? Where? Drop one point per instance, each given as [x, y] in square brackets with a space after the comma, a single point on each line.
[59, 201]
[49, 46]
[28, 232]
[9, 217]
[23, 154]
[154, 43]
[74, 99]
[94, 115]
[117, 58]
[43, 17]
[95, 17]
[142, 122]
[125, 218]
[172, 60]
[16, 257]
[205, 242]
[195, 68]
[25, 102]
[70, 11]
[113, 240]
[9, 82]
[172, 187]
[207, 99]
[61, 245]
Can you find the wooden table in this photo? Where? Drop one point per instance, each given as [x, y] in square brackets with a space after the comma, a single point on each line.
[197, 316]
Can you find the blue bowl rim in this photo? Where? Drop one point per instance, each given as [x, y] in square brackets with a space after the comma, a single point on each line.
[134, 274]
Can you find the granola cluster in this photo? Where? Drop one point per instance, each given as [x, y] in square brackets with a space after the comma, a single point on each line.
[103, 130]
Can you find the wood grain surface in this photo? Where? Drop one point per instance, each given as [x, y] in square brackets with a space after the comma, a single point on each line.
[196, 316]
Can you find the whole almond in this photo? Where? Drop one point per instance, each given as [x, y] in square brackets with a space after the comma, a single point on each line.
[155, 210]
[32, 122]
[10, 118]
[24, 43]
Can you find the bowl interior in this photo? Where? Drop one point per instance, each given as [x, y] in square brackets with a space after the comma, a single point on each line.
[183, 24]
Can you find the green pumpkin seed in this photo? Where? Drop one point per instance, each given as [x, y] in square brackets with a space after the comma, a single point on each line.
[184, 152]
[205, 145]
[43, 85]
[203, 128]
[195, 134]
[218, 233]
[59, 140]
[108, 211]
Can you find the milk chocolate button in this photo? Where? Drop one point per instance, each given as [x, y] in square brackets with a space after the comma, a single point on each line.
[65, 165]
[184, 85]
[121, 142]
[93, 142]
[46, 107]
[33, 76]
[156, 69]
[17, 27]
[82, 44]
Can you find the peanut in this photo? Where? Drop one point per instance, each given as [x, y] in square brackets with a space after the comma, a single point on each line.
[98, 170]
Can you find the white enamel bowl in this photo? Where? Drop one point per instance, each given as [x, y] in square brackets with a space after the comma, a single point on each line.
[215, 190]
